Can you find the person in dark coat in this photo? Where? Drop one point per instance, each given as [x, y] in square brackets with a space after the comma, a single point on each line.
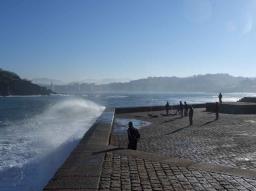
[167, 107]
[220, 98]
[186, 109]
[181, 109]
[133, 136]
[217, 110]
[190, 115]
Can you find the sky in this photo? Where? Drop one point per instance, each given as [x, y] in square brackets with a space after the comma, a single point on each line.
[75, 40]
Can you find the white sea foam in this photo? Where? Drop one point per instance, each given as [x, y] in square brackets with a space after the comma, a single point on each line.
[31, 150]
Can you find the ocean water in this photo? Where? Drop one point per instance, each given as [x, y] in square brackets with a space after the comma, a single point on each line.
[38, 132]
[150, 99]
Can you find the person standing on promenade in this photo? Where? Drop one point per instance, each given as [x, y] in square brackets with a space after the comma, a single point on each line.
[190, 114]
[186, 109]
[181, 109]
[167, 107]
[133, 136]
[217, 109]
[220, 98]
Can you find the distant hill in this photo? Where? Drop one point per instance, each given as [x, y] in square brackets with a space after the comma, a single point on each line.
[12, 84]
[46, 81]
[197, 83]
[104, 80]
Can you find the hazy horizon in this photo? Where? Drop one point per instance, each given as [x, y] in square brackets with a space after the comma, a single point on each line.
[76, 40]
[113, 80]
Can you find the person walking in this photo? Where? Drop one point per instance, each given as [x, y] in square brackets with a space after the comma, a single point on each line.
[167, 107]
[185, 109]
[217, 110]
[181, 109]
[190, 114]
[220, 98]
[133, 136]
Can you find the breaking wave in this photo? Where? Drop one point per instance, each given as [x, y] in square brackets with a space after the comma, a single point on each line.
[32, 149]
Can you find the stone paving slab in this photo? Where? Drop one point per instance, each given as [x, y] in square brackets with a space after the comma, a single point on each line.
[125, 172]
[188, 163]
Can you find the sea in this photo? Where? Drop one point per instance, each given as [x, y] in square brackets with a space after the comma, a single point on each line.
[37, 133]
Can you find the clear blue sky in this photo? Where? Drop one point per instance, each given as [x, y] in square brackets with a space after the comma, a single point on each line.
[78, 39]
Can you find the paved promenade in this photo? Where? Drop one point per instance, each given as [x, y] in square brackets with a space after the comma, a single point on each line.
[210, 155]
[126, 171]
[230, 141]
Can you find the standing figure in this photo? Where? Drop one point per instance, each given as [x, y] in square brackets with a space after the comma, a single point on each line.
[220, 98]
[217, 109]
[167, 107]
[133, 136]
[186, 109]
[190, 114]
[181, 109]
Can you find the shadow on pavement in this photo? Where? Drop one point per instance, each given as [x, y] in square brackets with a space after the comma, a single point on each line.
[173, 119]
[177, 130]
[207, 123]
[108, 150]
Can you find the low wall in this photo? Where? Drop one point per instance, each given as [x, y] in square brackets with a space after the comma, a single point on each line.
[82, 169]
[120, 110]
[233, 108]
[248, 99]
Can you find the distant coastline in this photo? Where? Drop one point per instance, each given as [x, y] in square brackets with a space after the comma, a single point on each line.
[207, 83]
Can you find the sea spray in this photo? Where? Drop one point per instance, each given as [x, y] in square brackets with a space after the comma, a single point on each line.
[32, 149]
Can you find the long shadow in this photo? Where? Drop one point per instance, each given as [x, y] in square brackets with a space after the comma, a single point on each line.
[108, 150]
[177, 130]
[166, 115]
[173, 119]
[152, 115]
[207, 123]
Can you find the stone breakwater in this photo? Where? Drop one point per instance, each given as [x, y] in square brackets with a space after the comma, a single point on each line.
[210, 155]
[82, 169]
[233, 107]
[153, 108]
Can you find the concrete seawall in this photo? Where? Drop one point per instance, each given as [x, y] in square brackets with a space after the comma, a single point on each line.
[151, 108]
[233, 107]
[82, 169]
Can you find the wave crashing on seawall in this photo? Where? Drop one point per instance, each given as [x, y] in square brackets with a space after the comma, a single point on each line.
[33, 149]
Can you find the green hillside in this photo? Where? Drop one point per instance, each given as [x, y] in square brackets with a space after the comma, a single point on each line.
[12, 84]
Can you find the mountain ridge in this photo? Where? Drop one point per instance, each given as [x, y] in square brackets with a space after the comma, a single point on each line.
[221, 82]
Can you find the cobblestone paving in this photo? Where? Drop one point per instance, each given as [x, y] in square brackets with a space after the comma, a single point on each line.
[122, 172]
[230, 141]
